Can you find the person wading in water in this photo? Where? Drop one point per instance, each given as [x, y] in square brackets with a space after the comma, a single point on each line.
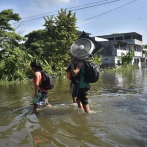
[84, 87]
[39, 92]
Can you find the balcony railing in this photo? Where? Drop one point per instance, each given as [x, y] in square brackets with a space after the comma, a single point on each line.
[119, 52]
[133, 41]
[137, 54]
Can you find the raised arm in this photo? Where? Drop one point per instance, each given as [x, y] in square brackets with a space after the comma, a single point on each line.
[77, 69]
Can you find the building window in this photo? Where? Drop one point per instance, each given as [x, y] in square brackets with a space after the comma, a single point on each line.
[118, 62]
[127, 37]
[119, 38]
[110, 38]
[136, 61]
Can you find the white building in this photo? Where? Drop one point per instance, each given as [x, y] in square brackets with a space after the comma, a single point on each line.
[117, 44]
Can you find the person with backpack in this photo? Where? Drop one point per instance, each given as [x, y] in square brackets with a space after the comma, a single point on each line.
[41, 95]
[74, 85]
[84, 86]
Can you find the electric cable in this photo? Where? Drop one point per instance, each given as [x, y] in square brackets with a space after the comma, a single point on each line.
[107, 11]
[72, 10]
[67, 8]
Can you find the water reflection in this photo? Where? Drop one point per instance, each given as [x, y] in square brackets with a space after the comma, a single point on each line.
[122, 83]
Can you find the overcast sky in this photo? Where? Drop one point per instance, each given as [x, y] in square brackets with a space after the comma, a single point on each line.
[129, 18]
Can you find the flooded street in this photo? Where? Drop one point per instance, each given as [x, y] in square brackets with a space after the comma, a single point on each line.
[118, 117]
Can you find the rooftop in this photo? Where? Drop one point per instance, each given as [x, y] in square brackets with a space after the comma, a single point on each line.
[116, 34]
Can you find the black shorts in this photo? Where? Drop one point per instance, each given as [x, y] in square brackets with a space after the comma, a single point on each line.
[83, 95]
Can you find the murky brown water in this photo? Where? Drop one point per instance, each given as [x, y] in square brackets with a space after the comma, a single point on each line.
[118, 119]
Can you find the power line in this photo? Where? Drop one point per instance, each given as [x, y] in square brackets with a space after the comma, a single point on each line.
[67, 8]
[72, 10]
[107, 11]
[95, 5]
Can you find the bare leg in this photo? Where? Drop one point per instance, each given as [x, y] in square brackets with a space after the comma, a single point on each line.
[80, 104]
[74, 99]
[35, 107]
[86, 108]
[47, 104]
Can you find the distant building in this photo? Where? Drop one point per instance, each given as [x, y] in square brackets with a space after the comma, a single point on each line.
[117, 44]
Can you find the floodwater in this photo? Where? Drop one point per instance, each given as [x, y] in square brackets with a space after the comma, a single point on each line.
[118, 117]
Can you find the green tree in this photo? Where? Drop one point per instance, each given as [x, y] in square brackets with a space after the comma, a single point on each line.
[35, 42]
[8, 38]
[12, 63]
[14, 66]
[126, 59]
[61, 34]
[145, 46]
[52, 44]
[97, 57]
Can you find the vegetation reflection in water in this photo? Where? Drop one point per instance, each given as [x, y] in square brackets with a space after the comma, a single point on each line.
[118, 103]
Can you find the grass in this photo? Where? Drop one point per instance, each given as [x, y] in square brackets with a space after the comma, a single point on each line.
[122, 69]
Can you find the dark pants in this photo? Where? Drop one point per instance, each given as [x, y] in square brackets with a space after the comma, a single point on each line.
[83, 95]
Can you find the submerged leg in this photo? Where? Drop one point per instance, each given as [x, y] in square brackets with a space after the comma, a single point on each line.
[35, 107]
[47, 103]
[80, 104]
[86, 108]
[45, 97]
[74, 99]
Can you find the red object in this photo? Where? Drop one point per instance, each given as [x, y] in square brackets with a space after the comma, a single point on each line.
[69, 75]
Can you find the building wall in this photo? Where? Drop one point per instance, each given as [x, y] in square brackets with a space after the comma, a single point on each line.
[117, 60]
[107, 48]
[137, 61]
[143, 62]
[108, 61]
[109, 54]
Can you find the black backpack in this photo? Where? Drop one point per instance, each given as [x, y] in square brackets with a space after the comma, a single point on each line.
[91, 74]
[47, 81]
